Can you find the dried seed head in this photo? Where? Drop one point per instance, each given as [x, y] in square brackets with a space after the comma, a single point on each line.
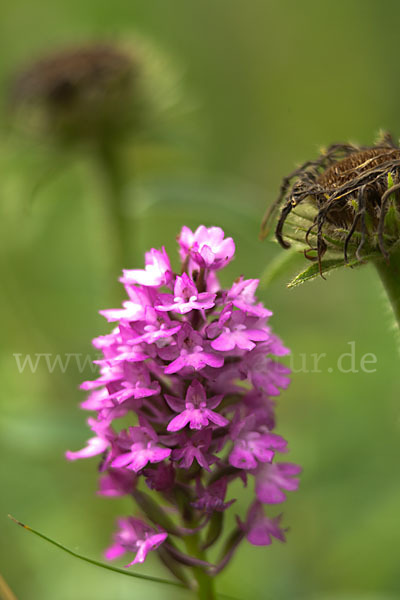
[97, 91]
[344, 170]
[79, 93]
[57, 79]
[350, 203]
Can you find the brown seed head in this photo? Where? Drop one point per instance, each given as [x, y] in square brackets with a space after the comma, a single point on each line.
[356, 163]
[61, 76]
[84, 92]
[354, 195]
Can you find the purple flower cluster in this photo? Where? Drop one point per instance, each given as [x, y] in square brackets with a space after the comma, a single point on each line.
[189, 369]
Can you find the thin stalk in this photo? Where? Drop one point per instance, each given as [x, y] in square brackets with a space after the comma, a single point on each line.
[114, 177]
[390, 276]
[205, 583]
[126, 572]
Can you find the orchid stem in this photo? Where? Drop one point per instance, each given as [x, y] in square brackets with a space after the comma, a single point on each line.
[205, 583]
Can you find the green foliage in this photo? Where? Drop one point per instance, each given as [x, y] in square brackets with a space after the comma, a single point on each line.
[327, 266]
[265, 98]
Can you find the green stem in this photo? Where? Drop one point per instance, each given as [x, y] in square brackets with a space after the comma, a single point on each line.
[205, 583]
[390, 276]
[114, 178]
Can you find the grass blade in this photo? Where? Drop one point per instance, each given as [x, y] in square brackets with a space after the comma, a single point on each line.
[95, 562]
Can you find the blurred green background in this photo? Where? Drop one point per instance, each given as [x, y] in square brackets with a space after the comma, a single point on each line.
[267, 84]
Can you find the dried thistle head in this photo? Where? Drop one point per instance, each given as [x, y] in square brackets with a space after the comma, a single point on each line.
[97, 91]
[347, 201]
[81, 92]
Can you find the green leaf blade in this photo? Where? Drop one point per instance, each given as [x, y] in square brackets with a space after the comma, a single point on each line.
[327, 265]
[96, 562]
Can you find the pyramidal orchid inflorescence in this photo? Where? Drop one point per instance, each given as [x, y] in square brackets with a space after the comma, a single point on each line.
[190, 369]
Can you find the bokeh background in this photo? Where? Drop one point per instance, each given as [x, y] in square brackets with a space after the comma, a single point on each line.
[263, 85]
